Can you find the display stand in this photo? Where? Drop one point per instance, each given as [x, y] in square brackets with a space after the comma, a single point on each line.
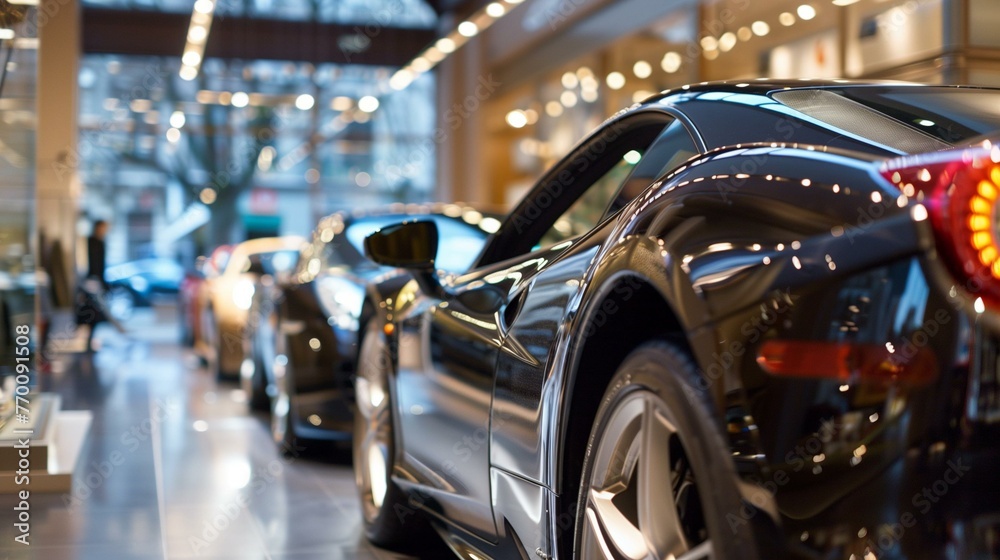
[55, 445]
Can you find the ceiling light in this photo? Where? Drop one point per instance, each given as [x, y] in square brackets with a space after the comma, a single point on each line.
[709, 43]
[368, 104]
[615, 80]
[6, 34]
[806, 12]
[304, 102]
[204, 6]
[399, 80]
[188, 73]
[434, 54]
[240, 99]
[589, 95]
[569, 80]
[531, 115]
[744, 33]
[553, 108]
[671, 62]
[191, 58]
[642, 69]
[445, 45]
[760, 28]
[517, 119]
[420, 64]
[568, 98]
[197, 34]
[468, 29]
[711, 55]
[177, 119]
[727, 41]
[173, 135]
[844, 2]
[786, 19]
[495, 9]
[341, 103]
[207, 195]
[583, 72]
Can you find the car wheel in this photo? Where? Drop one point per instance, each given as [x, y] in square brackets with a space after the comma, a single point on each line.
[383, 503]
[282, 424]
[253, 384]
[657, 482]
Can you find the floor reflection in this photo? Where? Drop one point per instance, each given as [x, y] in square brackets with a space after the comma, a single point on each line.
[175, 466]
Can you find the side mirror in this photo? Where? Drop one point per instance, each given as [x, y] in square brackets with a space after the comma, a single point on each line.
[409, 245]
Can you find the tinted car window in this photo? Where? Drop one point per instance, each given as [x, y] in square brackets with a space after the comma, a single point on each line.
[909, 119]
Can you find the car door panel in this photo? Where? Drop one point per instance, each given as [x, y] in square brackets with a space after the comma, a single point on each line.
[447, 355]
[517, 423]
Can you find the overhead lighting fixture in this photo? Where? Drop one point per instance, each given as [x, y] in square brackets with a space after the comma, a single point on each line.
[304, 102]
[6, 34]
[445, 45]
[368, 103]
[197, 36]
[845, 2]
[23, 2]
[177, 119]
[615, 80]
[553, 108]
[744, 33]
[806, 12]
[787, 19]
[468, 29]
[727, 41]
[239, 99]
[495, 10]
[517, 118]
[671, 62]
[434, 54]
[760, 28]
[568, 98]
[570, 80]
[642, 69]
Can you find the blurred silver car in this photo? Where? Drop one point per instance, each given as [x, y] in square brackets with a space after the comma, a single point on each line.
[229, 297]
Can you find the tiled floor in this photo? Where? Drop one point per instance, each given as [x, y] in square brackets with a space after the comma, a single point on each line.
[175, 467]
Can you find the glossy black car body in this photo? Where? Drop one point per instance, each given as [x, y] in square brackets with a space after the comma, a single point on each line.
[775, 259]
[302, 336]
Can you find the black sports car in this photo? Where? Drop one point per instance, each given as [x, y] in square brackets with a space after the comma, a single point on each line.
[740, 320]
[301, 337]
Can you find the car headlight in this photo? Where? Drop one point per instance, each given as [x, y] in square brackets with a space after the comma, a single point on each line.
[243, 294]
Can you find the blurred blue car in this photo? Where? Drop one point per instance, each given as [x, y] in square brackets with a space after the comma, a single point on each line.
[138, 283]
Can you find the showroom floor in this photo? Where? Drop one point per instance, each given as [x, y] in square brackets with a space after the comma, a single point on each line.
[175, 467]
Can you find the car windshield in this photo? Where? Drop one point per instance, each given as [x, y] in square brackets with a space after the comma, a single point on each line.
[909, 119]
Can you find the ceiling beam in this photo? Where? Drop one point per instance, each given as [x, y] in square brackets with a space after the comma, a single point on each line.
[136, 32]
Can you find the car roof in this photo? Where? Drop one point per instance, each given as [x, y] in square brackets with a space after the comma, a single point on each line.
[763, 86]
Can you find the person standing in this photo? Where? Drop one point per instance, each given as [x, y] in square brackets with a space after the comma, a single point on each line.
[96, 252]
[96, 262]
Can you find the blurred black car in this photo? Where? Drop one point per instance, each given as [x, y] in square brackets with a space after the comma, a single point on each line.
[741, 320]
[137, 283]
[301, 336]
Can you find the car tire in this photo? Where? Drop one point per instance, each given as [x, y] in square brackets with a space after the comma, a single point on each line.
[389, 521]
[255, 386]
[282, 405]
[654, 432]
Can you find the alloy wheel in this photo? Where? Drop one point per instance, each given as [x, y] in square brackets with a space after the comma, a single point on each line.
[373, 424]
[642, 499]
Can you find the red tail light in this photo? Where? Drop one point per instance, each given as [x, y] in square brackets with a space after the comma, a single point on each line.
[848, 362]
[961, 191]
